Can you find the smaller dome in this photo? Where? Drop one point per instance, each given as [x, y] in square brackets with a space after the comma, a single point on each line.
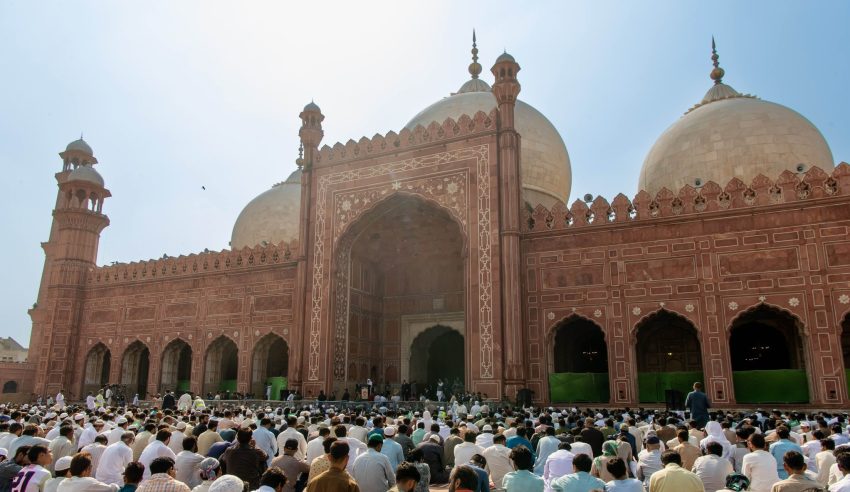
[80, 145]
[271, 217]
[86, 173]
[474, 85]
[312, 107]
[505, 57]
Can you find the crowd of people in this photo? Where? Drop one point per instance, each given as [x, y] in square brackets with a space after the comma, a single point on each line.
[184, 445]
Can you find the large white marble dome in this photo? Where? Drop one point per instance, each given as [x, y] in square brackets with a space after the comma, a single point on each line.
[271, 217]
[728, 135]
[545, 165]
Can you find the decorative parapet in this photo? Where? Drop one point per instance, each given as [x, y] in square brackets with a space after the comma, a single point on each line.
[393, 142]
[194, 264]
[788, 187]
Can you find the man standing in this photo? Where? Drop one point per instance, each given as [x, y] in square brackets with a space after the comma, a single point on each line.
[593, 436]
[291, 433]
[168, 401]
[372, 470]
[698, 404]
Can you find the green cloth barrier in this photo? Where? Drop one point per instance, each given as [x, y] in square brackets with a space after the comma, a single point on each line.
[183, 385]
[278, 383]
[227, 384]
[776, 386]
[651, 385]
[579, 387]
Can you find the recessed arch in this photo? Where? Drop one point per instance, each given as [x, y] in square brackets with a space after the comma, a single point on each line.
[437, 354]
[845, 348]
[221, 365]
[668, 356]
[97, 366]
[402, 261]
[578, 361]
[135, 365]
[10, 387]
[767, 354]
[176, 367]
[270, 365]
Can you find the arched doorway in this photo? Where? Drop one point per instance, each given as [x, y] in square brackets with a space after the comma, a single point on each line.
[176, 371]
[437, 354]
[579, 362]
[767, 356]
[668, 356]
[221, 366]
[134, 370]
[402, 260]
[10, 387]
[97, 366]
[270, 366]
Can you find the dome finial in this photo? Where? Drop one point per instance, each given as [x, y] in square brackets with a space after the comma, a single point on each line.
[717, 73]
[474, 67]
[300, 161]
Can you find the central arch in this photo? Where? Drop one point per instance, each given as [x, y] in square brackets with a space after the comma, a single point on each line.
[221, 366]
[176, 372]
[437, 354]
[97, 366]
[669, 358]
[578, 362]
[403, 259]
[134, 370]
[768, 357]
[270, 365]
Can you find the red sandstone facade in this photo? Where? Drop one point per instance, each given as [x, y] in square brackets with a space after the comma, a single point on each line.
[347, 298]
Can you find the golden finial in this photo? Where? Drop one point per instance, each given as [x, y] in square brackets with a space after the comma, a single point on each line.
[300, 161]
[474, 67]
[717, 73]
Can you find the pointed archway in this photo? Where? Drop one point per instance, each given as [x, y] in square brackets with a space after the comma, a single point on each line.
[578, 362]
[97, 366]
[437, 354]
[135, 365]
[176, 368]
[270, 366]
[403, 261]
[221, 366]
[768, 357]
[669, 357]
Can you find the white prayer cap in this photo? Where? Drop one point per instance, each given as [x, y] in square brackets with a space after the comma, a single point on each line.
[227, 483]
[63, 463]
[121, 421]
[4, 452]
[389, 431]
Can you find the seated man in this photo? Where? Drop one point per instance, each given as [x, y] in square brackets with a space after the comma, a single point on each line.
[795, 466]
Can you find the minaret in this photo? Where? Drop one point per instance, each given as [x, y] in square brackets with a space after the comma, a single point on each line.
[70, 254]
[311, 134]
[506, 89]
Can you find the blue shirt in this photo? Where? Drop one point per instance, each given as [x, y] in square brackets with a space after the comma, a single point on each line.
[778, 450]
[483, 478]
[392, 450]
[515, 441]
[577, 482]
[523, 481]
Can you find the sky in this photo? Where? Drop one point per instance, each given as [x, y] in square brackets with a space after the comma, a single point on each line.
[175, 97]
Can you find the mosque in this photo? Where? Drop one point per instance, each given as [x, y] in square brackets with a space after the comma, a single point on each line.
[448, 250]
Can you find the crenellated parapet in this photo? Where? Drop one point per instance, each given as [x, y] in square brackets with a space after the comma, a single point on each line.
[195, 264]
[392, 142]
[762, 191]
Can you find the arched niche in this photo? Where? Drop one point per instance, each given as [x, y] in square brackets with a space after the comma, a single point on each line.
[270, 365]
[669, 357]
[578, 362]
[221, 366]
[135, 365]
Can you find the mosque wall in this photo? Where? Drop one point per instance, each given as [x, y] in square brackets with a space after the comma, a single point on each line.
[782, 245]
[240, 295]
